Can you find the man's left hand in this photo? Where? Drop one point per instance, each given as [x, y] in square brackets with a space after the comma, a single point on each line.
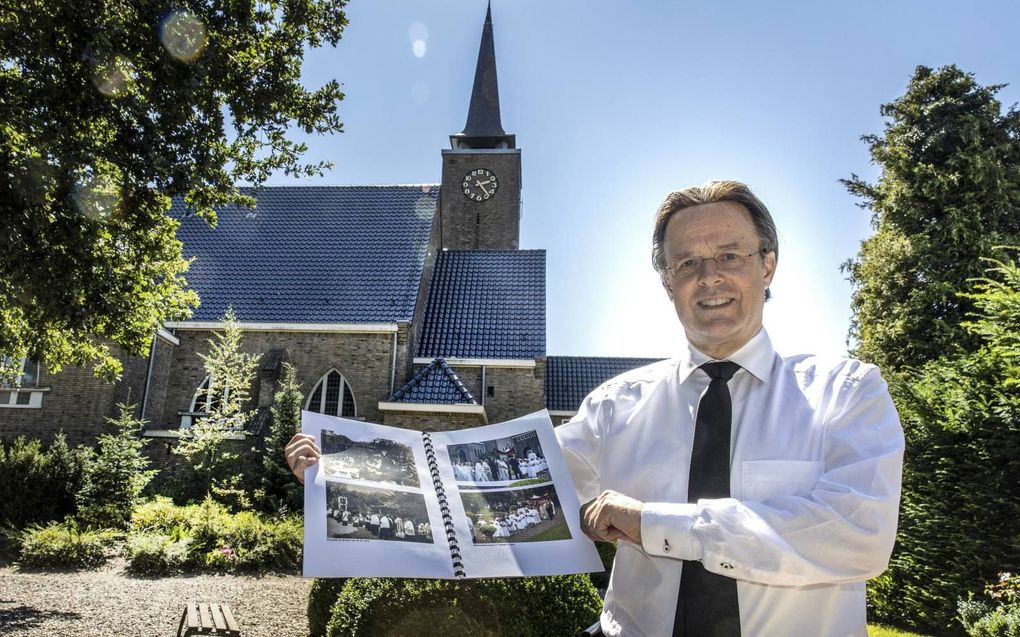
[612, 516]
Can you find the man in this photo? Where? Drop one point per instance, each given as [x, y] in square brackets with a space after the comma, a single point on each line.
[790, 509]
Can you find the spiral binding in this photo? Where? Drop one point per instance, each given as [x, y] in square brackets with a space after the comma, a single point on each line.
[451, 535]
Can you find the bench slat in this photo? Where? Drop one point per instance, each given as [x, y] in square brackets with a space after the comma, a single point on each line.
[229, 616]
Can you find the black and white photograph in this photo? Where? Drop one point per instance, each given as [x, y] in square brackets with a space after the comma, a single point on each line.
[356, 512]
[370, 459]
[502, 460]
[515, 515]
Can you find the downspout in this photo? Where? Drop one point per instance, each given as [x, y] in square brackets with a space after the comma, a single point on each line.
[483, 391]
[148, 375]
[393, 366]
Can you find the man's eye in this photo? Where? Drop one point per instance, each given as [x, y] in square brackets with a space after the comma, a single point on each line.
[687, 264]
[728, 257]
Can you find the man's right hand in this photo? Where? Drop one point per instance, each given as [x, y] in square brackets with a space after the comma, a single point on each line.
[301, 453]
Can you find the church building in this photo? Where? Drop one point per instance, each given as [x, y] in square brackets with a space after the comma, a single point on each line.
[406, 305]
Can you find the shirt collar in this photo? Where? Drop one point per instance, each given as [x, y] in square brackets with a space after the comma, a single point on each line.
[756, 356]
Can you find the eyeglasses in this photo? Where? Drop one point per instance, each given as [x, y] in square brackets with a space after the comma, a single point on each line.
[724, 261]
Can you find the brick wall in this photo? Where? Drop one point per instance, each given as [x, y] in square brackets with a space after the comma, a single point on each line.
[422, 421]
[363, 359]
[493, 224]
[77, 403]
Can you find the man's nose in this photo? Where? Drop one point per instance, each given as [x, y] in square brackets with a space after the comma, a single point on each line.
[708, 274]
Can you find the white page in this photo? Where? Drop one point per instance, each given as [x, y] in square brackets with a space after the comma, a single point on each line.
[549, 543]
[369, 468]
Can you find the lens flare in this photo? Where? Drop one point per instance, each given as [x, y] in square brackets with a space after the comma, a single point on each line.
[183, 35]
[116, 77]
[418, 34]
[97, 196]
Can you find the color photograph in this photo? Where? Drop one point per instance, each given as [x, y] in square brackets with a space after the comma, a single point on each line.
[515, 515]
[505, 461]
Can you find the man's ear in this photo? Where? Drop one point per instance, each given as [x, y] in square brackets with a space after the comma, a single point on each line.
[770, 267]
[666, 285]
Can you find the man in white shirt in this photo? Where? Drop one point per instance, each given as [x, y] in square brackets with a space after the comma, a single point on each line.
[815, 450]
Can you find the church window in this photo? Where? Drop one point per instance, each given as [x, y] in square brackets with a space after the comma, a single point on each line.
[332, 396]
[201, 402]
[25, 390]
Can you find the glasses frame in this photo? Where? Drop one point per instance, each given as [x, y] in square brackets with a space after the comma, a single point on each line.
[675, 274]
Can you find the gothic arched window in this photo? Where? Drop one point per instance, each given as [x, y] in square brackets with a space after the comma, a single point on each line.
[200, 402]
[332, 396]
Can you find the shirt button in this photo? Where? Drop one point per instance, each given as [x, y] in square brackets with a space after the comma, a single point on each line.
[726, 565]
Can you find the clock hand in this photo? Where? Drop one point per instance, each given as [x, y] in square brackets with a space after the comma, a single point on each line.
[481, 184]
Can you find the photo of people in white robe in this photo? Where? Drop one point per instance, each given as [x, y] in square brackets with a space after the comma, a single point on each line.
[503, 461]
[515, 515]
[357, 512]
[371, 460]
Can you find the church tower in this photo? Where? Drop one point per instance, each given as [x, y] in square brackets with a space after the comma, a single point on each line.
[480, 204]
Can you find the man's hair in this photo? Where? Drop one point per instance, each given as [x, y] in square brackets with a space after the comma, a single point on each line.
[713, 192]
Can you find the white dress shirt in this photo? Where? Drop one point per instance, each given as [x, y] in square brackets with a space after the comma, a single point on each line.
[816, 455]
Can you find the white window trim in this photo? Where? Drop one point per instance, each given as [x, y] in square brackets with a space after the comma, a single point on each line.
[35, 402]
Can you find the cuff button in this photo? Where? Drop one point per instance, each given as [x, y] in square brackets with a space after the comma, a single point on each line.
[665, 546]
[726, 565]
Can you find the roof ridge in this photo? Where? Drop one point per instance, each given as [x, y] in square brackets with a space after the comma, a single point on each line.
[438, 363]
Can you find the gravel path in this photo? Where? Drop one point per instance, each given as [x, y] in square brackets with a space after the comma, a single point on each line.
[108, 602]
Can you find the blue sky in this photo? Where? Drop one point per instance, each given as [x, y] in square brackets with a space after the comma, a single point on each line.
[614, 104]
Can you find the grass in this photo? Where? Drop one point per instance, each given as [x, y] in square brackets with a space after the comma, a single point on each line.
[874, 630]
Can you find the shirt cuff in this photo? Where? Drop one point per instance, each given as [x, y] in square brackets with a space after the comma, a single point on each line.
[667, 530]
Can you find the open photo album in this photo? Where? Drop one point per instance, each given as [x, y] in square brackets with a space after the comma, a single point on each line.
[492, 501]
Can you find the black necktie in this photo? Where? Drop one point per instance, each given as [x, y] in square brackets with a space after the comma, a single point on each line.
[707, 604]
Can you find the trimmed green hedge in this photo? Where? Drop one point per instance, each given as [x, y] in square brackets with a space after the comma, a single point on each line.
[519, 607]
[321, 598]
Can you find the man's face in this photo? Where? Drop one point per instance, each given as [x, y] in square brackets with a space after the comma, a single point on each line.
[720, 310]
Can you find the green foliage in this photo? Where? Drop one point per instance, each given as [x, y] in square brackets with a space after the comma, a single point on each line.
[165, 538]
[111, 108]
[117, 474]
[280, 490]
[521, 607]
[156, 553]
[205, 444]
[321, 597]
[64, 544]
[949, 192]
[999, 619]
[38, 485]
[961, 416]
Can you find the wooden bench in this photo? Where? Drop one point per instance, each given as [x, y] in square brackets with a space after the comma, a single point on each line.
[207, 619]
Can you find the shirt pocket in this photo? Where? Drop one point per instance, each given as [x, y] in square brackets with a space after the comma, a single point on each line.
[764, 479]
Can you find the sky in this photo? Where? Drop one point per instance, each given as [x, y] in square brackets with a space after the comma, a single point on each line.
[615, 104]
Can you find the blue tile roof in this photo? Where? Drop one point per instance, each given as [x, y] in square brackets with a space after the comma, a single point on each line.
[486, 304]
[435, 383]
[312, 254]
[568, 379]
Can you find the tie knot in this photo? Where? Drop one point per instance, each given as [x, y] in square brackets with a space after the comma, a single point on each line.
[724, 370]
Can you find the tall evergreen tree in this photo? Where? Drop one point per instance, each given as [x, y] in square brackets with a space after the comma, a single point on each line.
[949, 193]
[230, 373]
[279, 488]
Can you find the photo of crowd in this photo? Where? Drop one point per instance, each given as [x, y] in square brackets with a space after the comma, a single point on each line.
[515, 515]
[366, 513]
[373, 460]
[503, 460]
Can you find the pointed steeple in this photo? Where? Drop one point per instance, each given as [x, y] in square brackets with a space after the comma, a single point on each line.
[483, 128]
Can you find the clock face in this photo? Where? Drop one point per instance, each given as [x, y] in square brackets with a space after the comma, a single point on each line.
[479, 184]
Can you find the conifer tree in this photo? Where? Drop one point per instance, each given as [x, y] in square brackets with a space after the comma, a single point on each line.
[279, 488]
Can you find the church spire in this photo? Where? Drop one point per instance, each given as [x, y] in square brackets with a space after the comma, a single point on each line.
[483, 128]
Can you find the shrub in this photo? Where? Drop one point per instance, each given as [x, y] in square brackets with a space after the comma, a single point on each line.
[213, 538]
[156, 553]
[321, 597]
[276, 484]
[62, 544]
[36, 485]
[116, 475]
[524, 607]
[1001, 619]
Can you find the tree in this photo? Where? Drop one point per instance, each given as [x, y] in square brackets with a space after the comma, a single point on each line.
[948, 193]
[109, 109]
[961, 415]
[116, 475]
[230, 373]
[279, 488]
